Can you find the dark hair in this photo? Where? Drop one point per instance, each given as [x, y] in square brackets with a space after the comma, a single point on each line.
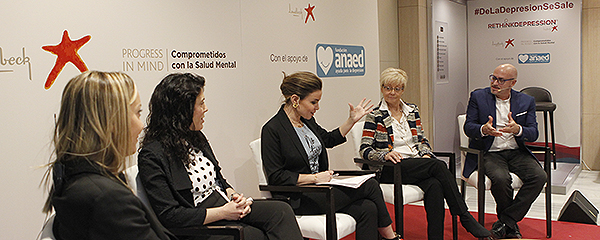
[301, 84]
[171, 115]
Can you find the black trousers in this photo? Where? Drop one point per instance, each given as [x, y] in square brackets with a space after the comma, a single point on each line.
[497, 167]
[365, 204]
[272, 220]
[438, 183]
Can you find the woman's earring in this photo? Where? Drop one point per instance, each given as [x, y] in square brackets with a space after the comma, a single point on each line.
[295, 105]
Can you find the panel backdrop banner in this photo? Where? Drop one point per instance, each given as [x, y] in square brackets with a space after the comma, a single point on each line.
[240, 47]
[542, 39]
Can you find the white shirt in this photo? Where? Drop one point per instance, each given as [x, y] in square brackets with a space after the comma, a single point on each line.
[403, 141]
[507, 140]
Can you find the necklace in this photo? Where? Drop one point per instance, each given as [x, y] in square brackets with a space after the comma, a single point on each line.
[398, 114]
[297, 124]
[290, 114]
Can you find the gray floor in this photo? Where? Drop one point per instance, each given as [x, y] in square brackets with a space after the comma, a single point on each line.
[587, 182]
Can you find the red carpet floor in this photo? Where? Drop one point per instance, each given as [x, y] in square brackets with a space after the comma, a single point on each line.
[416, 227]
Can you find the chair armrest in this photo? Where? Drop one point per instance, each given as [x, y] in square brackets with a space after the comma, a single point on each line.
[480, 169]
[547, 151]
[236, 231]
[294, 188]
[470, 150]
[444, 154]
[354, 172]
[451, 160]
[537, 148]
[282, 199]
[373, 163]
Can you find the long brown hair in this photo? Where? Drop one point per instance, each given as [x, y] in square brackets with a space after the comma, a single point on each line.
[93, 122]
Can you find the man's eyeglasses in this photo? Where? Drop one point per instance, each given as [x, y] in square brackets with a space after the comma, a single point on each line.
[500, 80]
[389, 89]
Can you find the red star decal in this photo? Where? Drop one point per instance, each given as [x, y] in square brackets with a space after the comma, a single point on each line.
[309, 13]
[509, 42]
[66, 51]
[554, 28]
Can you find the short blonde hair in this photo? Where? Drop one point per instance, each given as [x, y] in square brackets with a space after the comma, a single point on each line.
[393, 76]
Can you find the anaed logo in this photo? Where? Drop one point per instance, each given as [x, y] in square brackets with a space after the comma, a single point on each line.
[531, 58]
[340, 60]
[66, 51]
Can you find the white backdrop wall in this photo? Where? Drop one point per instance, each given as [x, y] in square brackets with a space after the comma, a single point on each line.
[145, 39]
[543, 40]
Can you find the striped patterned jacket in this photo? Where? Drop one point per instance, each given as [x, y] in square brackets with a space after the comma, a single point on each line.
[378, 137]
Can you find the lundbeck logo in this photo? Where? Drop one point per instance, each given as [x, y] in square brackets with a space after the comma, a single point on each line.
[340, 60]
[10, 61]
[530, 58]
[299, 13]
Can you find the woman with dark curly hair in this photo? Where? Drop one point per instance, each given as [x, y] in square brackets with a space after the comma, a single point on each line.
[182, 176]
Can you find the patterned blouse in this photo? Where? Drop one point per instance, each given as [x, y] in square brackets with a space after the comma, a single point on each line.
[202, 174]
[378, 136]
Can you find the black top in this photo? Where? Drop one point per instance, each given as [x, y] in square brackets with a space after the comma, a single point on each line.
[283, 154]
[168, 186]
[91, 205]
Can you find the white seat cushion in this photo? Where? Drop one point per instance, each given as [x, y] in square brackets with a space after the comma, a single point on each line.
[472, 180]
[411, 193]
[313, 226]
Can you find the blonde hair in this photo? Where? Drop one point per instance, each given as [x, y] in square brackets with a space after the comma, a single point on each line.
[93, 122]
[393, 76]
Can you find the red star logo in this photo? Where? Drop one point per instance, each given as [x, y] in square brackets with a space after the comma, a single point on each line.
[66, 51]
[309, 13]
[509, 42]
[554, 28]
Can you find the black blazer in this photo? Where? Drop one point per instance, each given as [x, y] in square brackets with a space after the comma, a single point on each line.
[90, 205]
[283, 155]
[168, 186]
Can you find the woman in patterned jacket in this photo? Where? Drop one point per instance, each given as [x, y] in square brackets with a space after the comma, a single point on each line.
[393, 132]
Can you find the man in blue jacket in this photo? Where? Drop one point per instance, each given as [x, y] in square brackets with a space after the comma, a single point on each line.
[500, 120]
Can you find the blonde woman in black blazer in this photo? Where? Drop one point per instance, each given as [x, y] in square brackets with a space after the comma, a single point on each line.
[97, 128]
[294, 153]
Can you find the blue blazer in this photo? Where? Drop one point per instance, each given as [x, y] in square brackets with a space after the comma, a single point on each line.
[482, 104]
